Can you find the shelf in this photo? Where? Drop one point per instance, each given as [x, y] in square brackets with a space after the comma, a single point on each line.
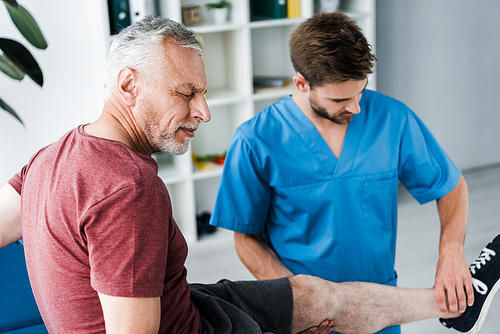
[224, 53]
[276, 23]
[170, 175]
[270, 93]
[222, 96]
[216, 171]
[215, 28]
[205, 191]
[229, 26]
[270, 52]
[173, 168]
[214, 137]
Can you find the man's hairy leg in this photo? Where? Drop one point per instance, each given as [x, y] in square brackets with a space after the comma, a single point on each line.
[358, 307]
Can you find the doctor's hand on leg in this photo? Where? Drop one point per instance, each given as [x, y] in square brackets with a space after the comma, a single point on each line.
[324, 328]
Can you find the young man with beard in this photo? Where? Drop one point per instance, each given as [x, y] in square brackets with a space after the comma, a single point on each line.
[310, 183]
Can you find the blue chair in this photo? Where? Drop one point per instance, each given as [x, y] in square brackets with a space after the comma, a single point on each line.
[18, 311]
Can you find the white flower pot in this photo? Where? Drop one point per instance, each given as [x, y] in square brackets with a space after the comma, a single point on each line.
[220, 15]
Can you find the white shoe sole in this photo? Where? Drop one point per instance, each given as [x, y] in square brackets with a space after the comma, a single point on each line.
[484, 311]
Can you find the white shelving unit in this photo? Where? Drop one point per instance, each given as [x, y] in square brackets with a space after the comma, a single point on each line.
[234, 53]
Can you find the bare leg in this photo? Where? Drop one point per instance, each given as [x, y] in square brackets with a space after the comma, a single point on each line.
[357, 307]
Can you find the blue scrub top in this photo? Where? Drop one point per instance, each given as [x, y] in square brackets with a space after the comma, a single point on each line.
[323, 216]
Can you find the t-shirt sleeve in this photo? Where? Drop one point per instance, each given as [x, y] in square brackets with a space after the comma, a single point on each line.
[425, 169]
[17, 182]
[243, 198]
[127, 242]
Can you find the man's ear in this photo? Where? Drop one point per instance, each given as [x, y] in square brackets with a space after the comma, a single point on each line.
[127, 85]
[301, 83]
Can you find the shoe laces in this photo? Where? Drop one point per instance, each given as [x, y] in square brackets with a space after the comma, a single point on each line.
[485, 256]
[479, 286]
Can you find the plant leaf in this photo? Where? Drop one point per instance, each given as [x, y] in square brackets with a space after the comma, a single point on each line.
[22, 58]
[12, 3]
[27, 26]
[11, 69]
[11, 111]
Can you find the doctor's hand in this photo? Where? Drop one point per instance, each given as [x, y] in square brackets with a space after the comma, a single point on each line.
[453, 285]
[324, 328]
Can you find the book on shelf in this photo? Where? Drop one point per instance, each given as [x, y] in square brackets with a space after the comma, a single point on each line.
[119, 15]
[293, 8]
[123, 13]
[267, 9]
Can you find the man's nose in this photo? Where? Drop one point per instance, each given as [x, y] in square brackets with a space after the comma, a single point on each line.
[353, 107]
[200, 109]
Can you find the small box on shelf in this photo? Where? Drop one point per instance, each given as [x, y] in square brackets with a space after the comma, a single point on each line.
[191, 16]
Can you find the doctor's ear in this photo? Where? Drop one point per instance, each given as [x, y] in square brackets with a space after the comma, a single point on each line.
[301, 83]
[127, 85]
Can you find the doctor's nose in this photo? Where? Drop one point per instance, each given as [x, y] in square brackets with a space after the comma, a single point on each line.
[353, 107]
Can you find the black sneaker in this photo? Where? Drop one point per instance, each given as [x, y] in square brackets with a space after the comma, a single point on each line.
[486, 282]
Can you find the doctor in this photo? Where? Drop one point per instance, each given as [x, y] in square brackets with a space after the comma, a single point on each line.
[310, 184]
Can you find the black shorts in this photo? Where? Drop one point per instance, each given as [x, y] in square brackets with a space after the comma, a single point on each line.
[244, 307]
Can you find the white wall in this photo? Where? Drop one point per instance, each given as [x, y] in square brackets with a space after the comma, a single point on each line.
[442, 58]
[73, 66]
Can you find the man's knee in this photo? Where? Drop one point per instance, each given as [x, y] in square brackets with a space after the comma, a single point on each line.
[314, 300]
[312, 284]
[313, 294]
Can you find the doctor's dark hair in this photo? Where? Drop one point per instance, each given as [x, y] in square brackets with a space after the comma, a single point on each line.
[141, 47]
[330, 48]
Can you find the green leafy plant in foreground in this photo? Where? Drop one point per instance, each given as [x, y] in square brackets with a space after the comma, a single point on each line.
[15, 60]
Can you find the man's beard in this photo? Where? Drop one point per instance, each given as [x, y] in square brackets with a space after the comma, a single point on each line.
[159, 140]
[322, 112]
[166, 143]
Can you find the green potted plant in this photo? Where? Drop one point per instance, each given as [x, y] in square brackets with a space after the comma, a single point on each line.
[220, 10]
[16, 61]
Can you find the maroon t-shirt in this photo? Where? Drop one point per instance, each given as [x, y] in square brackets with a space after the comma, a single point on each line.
[97, 218]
